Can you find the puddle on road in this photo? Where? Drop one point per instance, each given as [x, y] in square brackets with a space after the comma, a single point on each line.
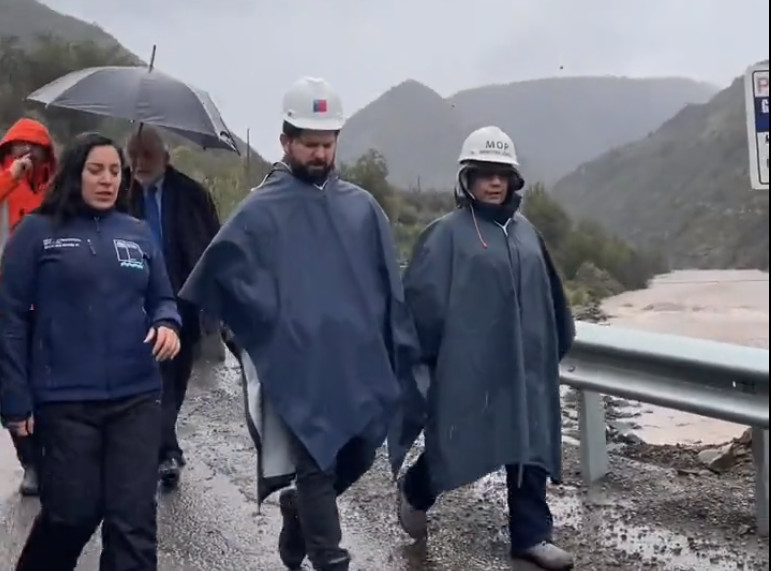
[602, 520]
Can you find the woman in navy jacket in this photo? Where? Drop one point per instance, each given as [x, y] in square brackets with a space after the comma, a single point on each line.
[84, 374]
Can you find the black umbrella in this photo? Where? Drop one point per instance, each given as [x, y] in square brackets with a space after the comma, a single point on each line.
[143, 95]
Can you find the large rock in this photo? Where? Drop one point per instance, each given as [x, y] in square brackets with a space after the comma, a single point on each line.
[745, 439]
[719, 460]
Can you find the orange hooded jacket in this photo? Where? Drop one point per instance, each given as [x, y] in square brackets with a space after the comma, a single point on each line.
[19, 197]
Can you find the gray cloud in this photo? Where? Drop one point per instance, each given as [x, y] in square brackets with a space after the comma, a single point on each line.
[246, 52]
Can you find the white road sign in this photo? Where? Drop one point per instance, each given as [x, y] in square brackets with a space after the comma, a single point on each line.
[756, 96]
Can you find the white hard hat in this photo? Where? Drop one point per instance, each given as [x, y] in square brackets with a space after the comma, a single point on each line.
[311, 103]
[489, 145]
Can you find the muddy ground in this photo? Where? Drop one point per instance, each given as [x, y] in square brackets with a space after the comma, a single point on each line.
[647, 515]
[655, 511]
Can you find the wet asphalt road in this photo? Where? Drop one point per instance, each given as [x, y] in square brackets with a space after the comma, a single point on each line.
[644, 517]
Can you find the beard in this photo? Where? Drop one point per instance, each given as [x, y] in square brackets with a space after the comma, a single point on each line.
[312, 173]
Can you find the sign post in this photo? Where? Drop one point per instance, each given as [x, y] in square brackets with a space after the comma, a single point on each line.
[756, 89]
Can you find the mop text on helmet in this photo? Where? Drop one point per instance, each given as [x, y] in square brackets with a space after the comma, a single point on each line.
[311, 103]
[489, 145]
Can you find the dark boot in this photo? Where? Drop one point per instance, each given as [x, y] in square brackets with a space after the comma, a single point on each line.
[29, 483]
[414, 522]
[169, 474]
[291, 542]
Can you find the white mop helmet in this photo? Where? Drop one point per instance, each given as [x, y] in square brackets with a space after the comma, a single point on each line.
[488, 145]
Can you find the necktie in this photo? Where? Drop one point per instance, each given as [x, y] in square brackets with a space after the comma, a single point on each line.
[153, 214]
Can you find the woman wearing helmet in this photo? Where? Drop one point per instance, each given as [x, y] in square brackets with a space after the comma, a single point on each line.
[493, 324]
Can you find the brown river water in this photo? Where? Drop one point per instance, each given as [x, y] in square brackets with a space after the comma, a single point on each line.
[729, 306]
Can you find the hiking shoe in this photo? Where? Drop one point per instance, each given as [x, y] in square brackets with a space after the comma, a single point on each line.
[413, 521]
[291, 541]
[29, 483]
[547, 556]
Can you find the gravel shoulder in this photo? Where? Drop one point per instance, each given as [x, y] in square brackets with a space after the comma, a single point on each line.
[656, 509]
[643, 516]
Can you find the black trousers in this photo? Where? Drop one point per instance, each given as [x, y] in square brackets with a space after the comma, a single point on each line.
[317, 492]
[530, 519]
[27, 450]
[99, 464]
[176, 377]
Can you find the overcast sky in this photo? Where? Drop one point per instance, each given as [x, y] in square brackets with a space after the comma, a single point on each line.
[246, 52]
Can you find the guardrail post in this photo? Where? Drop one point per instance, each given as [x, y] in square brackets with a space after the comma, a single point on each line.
[594, 446]
[760, 454]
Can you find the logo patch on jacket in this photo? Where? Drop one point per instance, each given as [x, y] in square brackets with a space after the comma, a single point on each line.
[130, 254]
[58, 243]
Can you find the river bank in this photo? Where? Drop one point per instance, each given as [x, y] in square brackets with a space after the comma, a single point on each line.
[729, 306]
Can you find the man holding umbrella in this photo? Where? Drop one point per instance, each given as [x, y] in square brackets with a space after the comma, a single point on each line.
[183, 218]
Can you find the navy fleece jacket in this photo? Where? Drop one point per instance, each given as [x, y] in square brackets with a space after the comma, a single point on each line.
[97, 284]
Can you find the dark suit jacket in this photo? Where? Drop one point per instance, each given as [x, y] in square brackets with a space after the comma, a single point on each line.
[190, 221]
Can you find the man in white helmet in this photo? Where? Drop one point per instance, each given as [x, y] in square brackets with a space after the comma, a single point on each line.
[493, 324]
[305, 276]
[313, 118]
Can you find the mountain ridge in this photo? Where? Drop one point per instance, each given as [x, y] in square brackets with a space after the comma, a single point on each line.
[536, 113]
[27, 19]
[684, 189]
[418, 106]
[39, 44]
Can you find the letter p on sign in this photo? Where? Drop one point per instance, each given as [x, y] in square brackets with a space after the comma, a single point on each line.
[761, 85]
[756, 87]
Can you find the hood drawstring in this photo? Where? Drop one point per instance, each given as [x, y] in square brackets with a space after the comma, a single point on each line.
[476, 226]
[498, 213]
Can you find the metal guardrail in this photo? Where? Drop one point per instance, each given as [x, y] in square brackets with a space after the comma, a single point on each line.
[716, 380]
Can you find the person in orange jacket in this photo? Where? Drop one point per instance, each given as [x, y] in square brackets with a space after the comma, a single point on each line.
[27, 164]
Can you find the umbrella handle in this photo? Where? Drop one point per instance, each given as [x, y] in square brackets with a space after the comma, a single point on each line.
[152, 58]
[131, 179]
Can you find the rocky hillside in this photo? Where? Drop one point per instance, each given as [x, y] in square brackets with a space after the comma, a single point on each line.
[38, 44]
[683, 189]
[557, 124]
[27, 19]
